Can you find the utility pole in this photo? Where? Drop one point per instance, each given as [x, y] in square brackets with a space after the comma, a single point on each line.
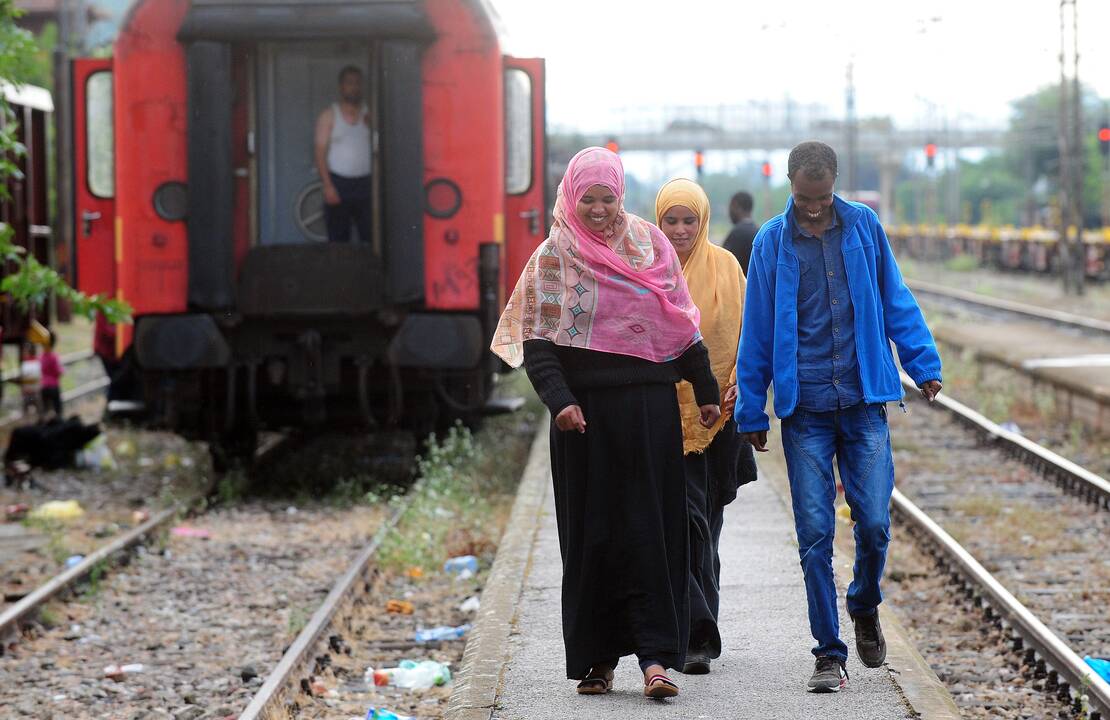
[952, 202]
[1070, 142]
[1078, 149]
[851, 179]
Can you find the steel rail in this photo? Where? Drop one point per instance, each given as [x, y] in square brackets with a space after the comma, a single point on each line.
[1073, 672]
[1057, 317]
[14, 616]
[1072, 478]
[263, 704]
[84, 390]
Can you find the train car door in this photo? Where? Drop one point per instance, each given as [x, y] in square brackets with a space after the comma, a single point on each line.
[296, 82]
[525, 163]
[94, 182]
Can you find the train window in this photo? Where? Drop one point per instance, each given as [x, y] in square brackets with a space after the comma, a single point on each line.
[100, 135]
[518, 131]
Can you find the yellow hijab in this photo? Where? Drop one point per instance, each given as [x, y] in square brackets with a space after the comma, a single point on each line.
[717, 287]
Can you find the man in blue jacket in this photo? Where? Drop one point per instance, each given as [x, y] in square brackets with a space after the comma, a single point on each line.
[825, 298]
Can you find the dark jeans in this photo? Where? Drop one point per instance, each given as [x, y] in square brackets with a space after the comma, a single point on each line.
[52, 400]
[860, 439]
[353, 208]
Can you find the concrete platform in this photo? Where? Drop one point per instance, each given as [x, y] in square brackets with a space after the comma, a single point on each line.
[513, 668]
[1075, 368]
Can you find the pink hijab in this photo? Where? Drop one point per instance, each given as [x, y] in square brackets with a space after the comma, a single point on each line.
[617, 291]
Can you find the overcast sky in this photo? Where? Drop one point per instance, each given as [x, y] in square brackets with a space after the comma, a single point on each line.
[961, 57]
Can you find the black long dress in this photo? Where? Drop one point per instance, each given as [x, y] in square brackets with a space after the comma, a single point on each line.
[620, 499]
[712, 478]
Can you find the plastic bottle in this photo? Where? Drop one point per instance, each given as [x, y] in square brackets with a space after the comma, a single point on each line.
[383, 714]
[463, 566]
[411, 675]
[442, 632]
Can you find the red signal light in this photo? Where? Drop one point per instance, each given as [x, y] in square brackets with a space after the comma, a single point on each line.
[766, 169]
[931, 150]
[1104, 134]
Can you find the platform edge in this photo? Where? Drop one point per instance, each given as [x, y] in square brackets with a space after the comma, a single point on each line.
[478, 680]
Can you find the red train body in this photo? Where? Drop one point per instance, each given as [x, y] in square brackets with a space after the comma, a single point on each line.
[207, 219]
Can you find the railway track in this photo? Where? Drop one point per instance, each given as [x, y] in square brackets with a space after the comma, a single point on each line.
[1025, 554]
[1094, 327]
[292, 671]
[1072, 478]
[193, 622]
[15, 616]
[1065, 672]
[84, 390]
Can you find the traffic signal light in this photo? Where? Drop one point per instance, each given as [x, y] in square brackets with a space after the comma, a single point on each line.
[766, 169]
[699, 162]
[612, 145]
[930, 153]
[1104, 138]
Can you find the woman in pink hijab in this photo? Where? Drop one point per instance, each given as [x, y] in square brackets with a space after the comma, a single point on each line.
[603, 322]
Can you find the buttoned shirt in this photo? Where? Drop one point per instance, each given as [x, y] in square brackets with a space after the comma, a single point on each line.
[828, 373]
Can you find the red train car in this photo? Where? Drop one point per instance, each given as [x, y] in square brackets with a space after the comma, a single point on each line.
[198, 202]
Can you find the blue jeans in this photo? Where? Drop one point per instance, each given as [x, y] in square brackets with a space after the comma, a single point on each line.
[859, 438]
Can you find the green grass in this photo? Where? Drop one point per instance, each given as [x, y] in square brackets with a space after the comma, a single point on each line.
[94, 582]
[298, 618]
[465, 487]
[961, 263]
[55, 533]
[49, 617]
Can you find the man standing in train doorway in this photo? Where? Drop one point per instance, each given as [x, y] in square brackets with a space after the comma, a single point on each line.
[343, 160]
[825, 298]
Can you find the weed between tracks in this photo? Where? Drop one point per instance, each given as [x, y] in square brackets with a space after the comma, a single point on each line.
[1006, 396]
[459, 505]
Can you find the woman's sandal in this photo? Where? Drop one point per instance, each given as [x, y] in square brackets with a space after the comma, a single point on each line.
[659, 687]
[596, 685]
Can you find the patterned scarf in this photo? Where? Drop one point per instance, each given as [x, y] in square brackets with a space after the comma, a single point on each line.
[620, 290]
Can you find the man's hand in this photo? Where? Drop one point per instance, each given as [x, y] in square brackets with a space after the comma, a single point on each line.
[757, 439]
[709, 415]
[331, 195]
[571, 418]
[729, 402]
[930, 389]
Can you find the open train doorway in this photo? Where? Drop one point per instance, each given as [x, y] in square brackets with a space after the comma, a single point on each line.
[297, 82]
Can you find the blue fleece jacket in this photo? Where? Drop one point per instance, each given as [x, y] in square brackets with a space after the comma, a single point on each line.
[885, 310]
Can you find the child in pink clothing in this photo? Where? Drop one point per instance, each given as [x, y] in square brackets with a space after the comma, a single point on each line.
[30, 380]
[52, 372]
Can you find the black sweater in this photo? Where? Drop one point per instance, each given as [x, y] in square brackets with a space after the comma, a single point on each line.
[557, 371]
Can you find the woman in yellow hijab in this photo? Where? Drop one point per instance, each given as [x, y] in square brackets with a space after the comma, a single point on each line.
[717, 460]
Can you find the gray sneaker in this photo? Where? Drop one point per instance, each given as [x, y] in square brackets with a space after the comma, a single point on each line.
[870, 643]
[829, 675]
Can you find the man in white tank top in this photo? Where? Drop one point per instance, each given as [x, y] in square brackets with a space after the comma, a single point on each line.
[343, 160]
